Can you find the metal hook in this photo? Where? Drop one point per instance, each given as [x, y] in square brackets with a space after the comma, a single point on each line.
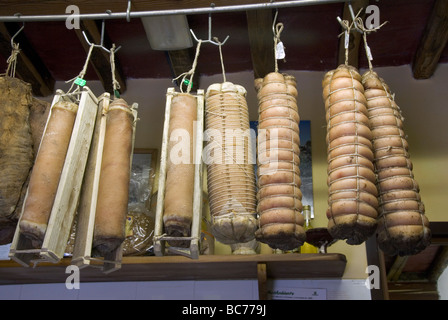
[352, 14]
[17, 33]
[101, 45]
[209, 40]
[128, 12]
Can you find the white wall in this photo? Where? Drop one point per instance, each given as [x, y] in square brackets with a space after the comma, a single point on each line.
[442, 285]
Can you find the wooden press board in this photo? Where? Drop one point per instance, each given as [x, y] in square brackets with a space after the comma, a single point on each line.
[67, 195]
[82, 252]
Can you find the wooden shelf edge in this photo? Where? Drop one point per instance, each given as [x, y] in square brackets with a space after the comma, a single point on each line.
[169, 268]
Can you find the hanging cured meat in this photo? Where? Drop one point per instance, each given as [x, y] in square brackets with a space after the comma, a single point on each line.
[178, 204]
[403, 227]
[113, 187]
[16, 143]
[47, 170]
[230, 164]
[279, 195]
[352, 202]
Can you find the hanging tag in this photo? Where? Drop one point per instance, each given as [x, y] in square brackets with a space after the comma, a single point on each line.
[369, 53]
[280, 51]
[117, 94]
[347, 39]
[80, 82]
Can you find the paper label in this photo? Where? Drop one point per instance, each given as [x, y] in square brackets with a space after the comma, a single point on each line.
[346, 40]
[298, 294]
[80, 82]
[280, 51]
[369, 53]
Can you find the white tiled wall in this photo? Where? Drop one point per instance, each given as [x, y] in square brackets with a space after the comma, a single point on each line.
[335, 289]
[154, 290]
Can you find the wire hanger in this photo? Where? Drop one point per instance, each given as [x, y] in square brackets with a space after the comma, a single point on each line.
[17, 33]
[209, 40]
[101, 45]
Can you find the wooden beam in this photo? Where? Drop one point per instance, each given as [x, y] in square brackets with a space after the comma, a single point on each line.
[433, 42]
[396, 269]
[355, 36]
[100, 59]
[30, 68]
[181, 61]
[261, 40]
[51, 7]
[376, 257]
[262, 281]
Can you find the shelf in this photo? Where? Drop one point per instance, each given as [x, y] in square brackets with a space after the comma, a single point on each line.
[216, 267]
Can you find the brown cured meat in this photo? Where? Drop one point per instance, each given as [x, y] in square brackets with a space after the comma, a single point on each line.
[178, 204]
[230, 164]
[113, 187]
[16, 144]
[44, 179]
[403, 228]
[279, 195]
[352, 202]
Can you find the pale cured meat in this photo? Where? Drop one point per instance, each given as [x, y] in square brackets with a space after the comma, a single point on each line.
[44, 179]
[178, 204]
[352, 202]
[230, 164]
[403, 228]
[113, 187]
[279, 195]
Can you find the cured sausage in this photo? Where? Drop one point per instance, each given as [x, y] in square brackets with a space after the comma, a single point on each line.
[352, 202]
[403, 228]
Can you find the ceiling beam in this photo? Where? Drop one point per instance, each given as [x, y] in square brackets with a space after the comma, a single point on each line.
[100, 59]
[433, 42]
[261, 41]
[30, 67]
[355, 37]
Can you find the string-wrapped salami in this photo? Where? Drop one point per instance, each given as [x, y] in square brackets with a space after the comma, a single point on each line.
[403, 227]
[352, 201]
[279, 195]
[230, 164]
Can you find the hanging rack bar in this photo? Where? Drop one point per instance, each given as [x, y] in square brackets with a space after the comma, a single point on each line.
[140, 14]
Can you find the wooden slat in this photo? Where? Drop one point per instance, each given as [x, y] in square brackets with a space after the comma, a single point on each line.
[32, 7]
[30, 67]
[355, 37]
[376, 257]
[413, 291]
[433, 42]
[261, 39]
[396, 269]
[207, 267]
[100, 59]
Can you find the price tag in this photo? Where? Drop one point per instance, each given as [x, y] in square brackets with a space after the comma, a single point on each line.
[369, 53]
[280, 51]
[80, 82]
